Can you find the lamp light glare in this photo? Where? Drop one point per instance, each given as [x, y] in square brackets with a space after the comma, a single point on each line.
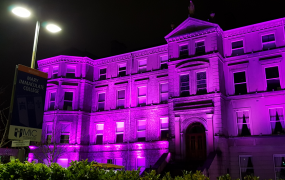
[53, 28]
[22, 12]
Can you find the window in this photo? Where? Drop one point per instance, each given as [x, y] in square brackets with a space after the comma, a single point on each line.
[103, 73]
[45, 70]
[122, 70]
[200, 48]
[110, 161]
[101, 102]
[164, 93]
[246, 166]
[163, 62]
[141, 129]
[121, 99]
[119, 132]
[52, 101]
[243, 123]
[65, 133]
[237, 48]
[240, 83]
[54, 71]
[279, 165]
[49, 133]
[184, 85]
[142, 96]
[272, 78]
[70, 72]
[63, 162]
[119, 161]
[183, 51]
[164, 128]
[68, 98]
[142, 66]
[268, 42]
[141, 164]
[99, 133]
[201, 83]
[277, 120]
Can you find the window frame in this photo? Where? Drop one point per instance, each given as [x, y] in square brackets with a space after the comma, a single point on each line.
[96, 133]
[102, 74]
[160, 126]
[65, 133]
[243, 46]
[179, 50]
[53, 76]
[249, 118]
[119, 66]
[240, 156]
[73, 94]
[275, 107]
[161, 93]
[163, 62]
[180, 84]
[246, 80]
[277, 155]
[200, 46]
[98, 93]
[118, 133]
[49, 134]
[142, 66]
[73, 67]
[49, 102]
[137, 128]
[117, 99]
[279, 73]
[196, 80]
[266, 34]
[138, 96]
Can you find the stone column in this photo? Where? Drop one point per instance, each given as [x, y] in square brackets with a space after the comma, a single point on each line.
[210, 134]
[177, 137]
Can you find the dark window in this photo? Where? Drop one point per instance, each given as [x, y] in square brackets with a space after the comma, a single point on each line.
[68, 98]
[64, 139]
[142, 66]
[70, 72]
[110, 161]
[101, 102]
[121, 99]
[240, 83]
[183, 52]
[65, 132]
[272, 78]
[201, 83]
[54, 72]
[163, 62]
[49, 139]
[119, 138]
[52, 101]
[268, 41]
[237, 48]
[122, 70]
[99, 139]
[200, 48]
[184, 85]
[103, 73]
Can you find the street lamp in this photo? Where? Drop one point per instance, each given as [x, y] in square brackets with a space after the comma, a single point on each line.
[25, 13]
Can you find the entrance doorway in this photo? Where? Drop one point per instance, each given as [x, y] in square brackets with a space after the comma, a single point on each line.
[196, 142]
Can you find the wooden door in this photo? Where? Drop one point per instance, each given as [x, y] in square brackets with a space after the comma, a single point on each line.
[196, 146]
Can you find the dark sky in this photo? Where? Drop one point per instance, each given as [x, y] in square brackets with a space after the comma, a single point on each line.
[91, 25]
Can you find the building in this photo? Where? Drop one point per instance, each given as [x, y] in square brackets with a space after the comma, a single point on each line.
[208, 95]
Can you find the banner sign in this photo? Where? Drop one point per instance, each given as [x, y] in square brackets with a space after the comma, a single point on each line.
[24, 143]
[27, 104]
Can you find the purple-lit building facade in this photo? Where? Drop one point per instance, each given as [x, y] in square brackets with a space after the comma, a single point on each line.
[207, 93]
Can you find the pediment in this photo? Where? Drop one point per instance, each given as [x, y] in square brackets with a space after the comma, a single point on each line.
[190, 25]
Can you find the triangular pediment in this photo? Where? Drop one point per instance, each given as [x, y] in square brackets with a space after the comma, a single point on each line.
[190, 25]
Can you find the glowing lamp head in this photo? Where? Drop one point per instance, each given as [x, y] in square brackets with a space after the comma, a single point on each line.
[22, 12]
[53, 28]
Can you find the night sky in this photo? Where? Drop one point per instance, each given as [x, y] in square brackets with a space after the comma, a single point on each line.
[92, 26]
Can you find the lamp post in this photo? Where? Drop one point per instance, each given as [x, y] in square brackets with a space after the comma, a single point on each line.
[25, 13]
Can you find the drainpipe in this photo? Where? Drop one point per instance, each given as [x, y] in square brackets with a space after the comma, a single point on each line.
[130, 105]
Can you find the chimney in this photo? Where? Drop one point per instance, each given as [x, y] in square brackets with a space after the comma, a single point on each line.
[191, 9]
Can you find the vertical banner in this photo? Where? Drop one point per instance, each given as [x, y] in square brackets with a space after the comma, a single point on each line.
[27, 104]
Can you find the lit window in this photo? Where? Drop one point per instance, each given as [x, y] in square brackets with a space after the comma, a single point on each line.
[122, 70]
[240, 83]
[99, 133]
[121, 99]
[268, 42]
[164, 93]
[65, 133]
[70, 72]
[103, 73]
[272, 78]
[63, 162]
[277, 120]
[101, 101]
[141, 164]
[164, 127]
[119, 161]
[246, 166]
[54, 71]
[184, 85]
[183, 51]
[201, 83]
[142, 96]
[52, 101]
[141, 129]
[237, 48]
[68, 98]
[119, 132]
[243, 123]
[279, 164]
[200, 48]
[49, 133]
[142, 66]
[163, 62]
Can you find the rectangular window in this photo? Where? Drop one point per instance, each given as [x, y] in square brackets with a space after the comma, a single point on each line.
[121, 99]
[141, 129]
[141, 164]
[63, 162]
[164, 93]
[99, 133]
[268, 42]
[184, 85]
[240, 83]
[109, 161]
[142, 66]
[65, 133]
[142, 96]
[49, 133]
[122, 70]
[279, 165]
[164, 127]
[119, 161]
[103, 74]
[201, 83]
[54, 71]
[183, 51]
[243, 123]
[272, 78]
[101, 101]
[237, 48]
[52, 101]
[45, 70]
[70, 72]
[68, 98]
[119, 132]
[200, 48]
[163, 62]
[246, 166]
[277, 120]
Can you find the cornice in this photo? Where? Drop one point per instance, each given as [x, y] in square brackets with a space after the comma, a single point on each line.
[57, 59]
[154, 50]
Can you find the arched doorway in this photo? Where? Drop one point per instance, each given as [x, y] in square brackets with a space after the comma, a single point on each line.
[196, 142]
